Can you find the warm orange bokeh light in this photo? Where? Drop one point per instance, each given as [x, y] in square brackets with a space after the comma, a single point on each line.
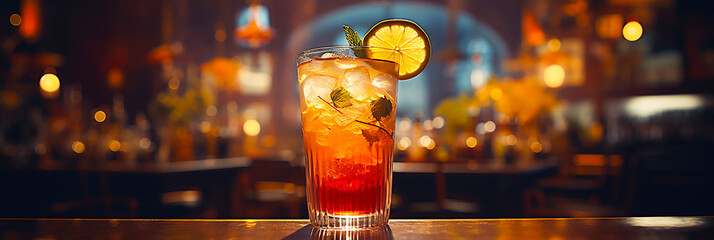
[404, 143]
[632, 31]
[49, 83]
[211, 110]
[511, 140]
[471, 142]
[115, 78]
[205, 126]
[554, 44]
[536, 147]
[114, 145]
[31, 24]
[100, 116]
[251, 127]
[15, 19]
[532, 31]
[496, 94]
[554, 76]
[174, 83]
[427, 142]
[78, 147]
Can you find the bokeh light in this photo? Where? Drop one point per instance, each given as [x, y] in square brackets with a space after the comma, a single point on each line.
[251, 127]
[425, 141]
[428, 125]
[496, 94]
[77, 147]
[554, 76]
[511, 140]
[480, 128]
[100, 116]
[554, 44]
[431, 144]
[205, 126]
[404, 124]
[31, 26]
[211, 110]
[15, 19]
[49, 83]
[144, 143]
[404, 143]
[438, 122]
[114, 145]
[489, 126]
[536, 147]
[632, 31]
[115, 78]
[471, 142]
[174, 83]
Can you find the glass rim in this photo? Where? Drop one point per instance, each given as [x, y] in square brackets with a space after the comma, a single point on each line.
[326, 48]
[317, 49]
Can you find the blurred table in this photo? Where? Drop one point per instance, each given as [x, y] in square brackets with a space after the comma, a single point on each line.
[583, 228]
[138, 168]
[497, 186]
[474, 168]
[46, 184]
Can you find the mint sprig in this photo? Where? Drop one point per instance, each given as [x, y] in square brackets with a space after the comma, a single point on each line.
[354, 40]
[341, 98]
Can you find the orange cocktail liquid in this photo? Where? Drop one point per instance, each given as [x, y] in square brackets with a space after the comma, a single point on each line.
[348, 149]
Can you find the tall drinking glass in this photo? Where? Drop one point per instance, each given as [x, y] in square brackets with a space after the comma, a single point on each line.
[348, 105]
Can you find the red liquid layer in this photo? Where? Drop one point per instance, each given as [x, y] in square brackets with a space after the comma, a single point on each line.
[350, 186]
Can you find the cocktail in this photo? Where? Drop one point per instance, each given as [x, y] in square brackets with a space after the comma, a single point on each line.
[348, 102]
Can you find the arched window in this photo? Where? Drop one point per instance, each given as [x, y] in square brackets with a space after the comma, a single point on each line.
[482, 49]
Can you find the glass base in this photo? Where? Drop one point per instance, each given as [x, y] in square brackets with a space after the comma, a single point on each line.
[383, 233]
[327, 221]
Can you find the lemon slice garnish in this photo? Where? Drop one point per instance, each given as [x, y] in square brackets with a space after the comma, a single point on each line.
[405, 37]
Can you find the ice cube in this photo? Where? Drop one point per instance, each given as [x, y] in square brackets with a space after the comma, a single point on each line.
[385, 82]
[347, 63]
[357, 82]
[318, 66]
[328, 55]
[316, 86]
[349, 115]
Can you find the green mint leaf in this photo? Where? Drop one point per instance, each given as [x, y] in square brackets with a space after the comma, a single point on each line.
[341, 98]
[352, 37]
[354, 40]
[382, 107]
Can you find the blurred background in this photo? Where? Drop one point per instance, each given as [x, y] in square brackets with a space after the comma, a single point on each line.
[189, 109]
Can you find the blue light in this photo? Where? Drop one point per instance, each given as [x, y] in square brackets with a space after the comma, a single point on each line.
[262, 16]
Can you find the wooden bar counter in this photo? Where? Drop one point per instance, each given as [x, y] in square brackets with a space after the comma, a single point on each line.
[544, 228]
